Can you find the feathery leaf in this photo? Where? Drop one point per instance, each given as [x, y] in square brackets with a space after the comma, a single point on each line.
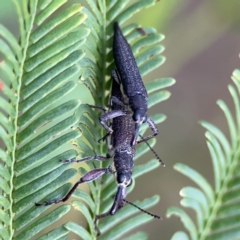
[217, 211]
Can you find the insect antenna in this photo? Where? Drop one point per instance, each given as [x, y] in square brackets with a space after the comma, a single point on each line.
[142, 210]
[156, 155]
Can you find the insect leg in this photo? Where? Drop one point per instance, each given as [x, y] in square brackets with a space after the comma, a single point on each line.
[97, 107]
[88, 177]
[154, 129]
[99, 158]
[109, 115]
[104, 137]
[117, 101]
[103, 119]
[103, 215]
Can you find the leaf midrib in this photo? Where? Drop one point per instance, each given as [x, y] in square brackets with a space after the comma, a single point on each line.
[19, 80]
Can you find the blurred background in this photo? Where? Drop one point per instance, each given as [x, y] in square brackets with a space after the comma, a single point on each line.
[202, 50]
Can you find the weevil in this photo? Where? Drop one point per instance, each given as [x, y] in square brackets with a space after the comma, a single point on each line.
[130, 78]
[120, 149]
[132, 82]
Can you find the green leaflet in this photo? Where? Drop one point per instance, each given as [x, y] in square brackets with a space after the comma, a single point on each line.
[186, 220]
[180, 236]
[85, 197]
[138, 235]
[43, 222]
[79, 230]
[33, 213]
[57, 233]
[128, 225]
[159, 84]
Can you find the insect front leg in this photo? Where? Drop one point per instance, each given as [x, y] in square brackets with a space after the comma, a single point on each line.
[117, 101]
[97, 107]
[100, 216]
[104, 137]
[154, 129]
[88, 158]
[103, 119]
[110, 115]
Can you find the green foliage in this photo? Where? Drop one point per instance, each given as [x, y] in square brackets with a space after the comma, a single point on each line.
[36, 74]
[217, 209]
[38, 117]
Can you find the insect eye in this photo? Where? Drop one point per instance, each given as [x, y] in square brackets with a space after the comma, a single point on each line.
[139, 115]
[120, 178]
[136, 117]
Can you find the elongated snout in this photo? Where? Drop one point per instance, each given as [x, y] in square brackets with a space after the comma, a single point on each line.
[135, 135]
[118, 201]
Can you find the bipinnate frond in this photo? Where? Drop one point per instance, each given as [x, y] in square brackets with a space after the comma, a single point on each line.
[217, 209]
[35, 121]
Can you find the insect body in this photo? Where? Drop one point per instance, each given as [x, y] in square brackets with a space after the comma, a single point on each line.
[121, 145]
[132, 82]
[122, 152]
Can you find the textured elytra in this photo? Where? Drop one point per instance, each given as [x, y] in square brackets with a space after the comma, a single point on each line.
[126, 65]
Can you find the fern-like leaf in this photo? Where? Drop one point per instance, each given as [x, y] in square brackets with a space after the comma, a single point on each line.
[217, 209]
[37, 72]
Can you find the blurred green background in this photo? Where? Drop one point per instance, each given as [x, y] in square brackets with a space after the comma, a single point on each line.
[202, 47]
